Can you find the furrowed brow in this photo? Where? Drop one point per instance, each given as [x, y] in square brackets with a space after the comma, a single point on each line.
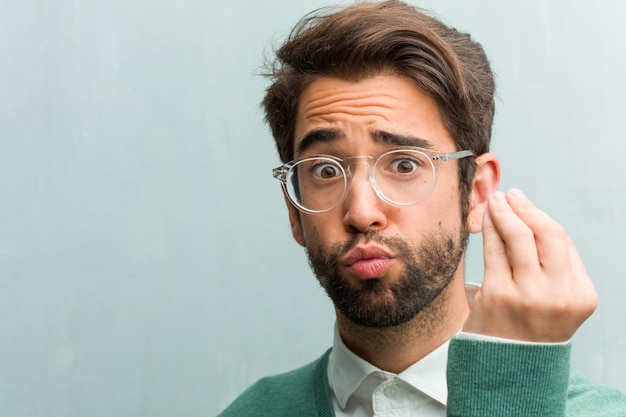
[401, 140]
[318, 136]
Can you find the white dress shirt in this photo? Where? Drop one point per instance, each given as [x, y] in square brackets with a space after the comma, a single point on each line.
[360, 389]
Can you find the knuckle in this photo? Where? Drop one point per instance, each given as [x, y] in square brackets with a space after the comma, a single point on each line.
[530, 305]
[494, 251]
[521, 233]
[501, 299]
[555, 230]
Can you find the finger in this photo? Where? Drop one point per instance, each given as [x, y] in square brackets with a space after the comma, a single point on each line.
[584, 285]
[579, 271]
[576, 262]
[494, 251]
[518, 238]
[550, 238]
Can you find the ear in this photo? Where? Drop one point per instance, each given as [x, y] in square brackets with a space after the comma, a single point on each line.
[294, 219]
[485, 183]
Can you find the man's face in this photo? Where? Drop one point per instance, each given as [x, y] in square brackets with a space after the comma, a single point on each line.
[380, 264]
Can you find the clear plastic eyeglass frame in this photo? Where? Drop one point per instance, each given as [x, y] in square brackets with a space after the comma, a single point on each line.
[286, 172]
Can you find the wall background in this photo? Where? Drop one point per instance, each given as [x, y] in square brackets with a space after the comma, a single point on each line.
[146, 262]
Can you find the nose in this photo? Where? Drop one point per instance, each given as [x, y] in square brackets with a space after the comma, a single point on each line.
[363, 209]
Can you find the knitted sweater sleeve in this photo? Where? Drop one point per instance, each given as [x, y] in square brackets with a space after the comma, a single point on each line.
[507, 379]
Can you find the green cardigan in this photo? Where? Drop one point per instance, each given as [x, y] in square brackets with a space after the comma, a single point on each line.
[484, 379]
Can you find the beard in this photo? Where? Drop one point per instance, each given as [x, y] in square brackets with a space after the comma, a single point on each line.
[375, 303]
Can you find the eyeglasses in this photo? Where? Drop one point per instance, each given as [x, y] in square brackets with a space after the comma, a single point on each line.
[401, 177]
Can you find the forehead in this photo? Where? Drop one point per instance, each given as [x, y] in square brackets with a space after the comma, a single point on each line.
[334, 112]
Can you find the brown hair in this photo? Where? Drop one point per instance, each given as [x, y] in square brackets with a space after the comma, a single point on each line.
[390, 37]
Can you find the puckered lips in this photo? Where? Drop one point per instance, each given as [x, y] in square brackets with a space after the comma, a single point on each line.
[368, 261]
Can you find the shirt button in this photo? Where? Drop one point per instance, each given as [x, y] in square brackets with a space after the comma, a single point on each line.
[392, 391]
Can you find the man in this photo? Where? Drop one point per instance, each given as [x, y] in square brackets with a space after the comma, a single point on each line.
[382, 117]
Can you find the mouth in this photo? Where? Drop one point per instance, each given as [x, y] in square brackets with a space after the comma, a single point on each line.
[368, 262]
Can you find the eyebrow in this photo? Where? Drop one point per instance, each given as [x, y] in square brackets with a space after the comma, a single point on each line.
[330, 135]
[401, 140]
[318, 136]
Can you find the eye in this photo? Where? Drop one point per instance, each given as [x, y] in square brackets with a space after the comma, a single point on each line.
[326, 170]
[404, 166]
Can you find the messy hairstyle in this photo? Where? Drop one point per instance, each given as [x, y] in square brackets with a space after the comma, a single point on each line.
[386, 38]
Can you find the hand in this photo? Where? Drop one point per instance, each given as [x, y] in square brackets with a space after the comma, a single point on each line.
[535, 287]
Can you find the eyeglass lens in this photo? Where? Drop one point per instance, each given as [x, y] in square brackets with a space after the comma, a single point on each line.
[400, 177]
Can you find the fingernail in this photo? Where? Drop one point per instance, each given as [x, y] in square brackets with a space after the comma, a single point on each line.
[498, 196]
[516, 193]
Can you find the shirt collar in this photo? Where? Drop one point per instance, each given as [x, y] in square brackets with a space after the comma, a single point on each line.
[347, 371]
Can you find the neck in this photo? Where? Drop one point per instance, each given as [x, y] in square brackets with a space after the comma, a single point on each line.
[394, 349]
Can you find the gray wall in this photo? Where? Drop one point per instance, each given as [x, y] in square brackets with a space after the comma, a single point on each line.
[146, 262]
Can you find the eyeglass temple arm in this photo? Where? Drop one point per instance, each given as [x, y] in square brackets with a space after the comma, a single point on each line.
[449, 156]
